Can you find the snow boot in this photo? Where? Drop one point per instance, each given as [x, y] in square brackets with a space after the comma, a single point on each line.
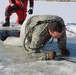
[6, 22]
[21, 22]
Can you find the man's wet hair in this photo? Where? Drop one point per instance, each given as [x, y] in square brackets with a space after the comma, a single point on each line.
[55, 26]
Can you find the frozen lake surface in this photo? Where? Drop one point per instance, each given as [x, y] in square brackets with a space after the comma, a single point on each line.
[15, 60]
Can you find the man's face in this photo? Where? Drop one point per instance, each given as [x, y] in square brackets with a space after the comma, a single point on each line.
[55, 34]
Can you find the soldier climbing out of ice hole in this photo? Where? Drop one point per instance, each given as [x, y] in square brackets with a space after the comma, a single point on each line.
[40, 28]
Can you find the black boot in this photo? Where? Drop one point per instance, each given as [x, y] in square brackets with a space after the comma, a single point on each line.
[21, 22]
[6, 23]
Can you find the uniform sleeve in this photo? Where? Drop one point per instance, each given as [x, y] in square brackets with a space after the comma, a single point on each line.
[36, 41]
[31, 3]
[62, 40]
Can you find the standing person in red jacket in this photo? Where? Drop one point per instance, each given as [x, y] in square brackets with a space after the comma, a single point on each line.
[20, 8]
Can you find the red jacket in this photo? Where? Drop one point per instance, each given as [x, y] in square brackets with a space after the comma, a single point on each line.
[22, 3]
[22, 8]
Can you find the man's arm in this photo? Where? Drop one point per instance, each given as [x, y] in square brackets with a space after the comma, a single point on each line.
[12, 1]
[31, 3]
[62, 40]
[13, 4]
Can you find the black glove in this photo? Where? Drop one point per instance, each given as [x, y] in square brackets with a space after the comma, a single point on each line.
[66, 52]
[30, 11]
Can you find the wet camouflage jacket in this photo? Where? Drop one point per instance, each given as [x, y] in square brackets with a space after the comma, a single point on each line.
[39, 35]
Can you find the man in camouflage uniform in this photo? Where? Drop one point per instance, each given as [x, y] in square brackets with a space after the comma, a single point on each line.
[38, 32]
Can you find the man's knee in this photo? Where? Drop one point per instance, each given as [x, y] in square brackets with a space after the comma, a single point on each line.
[8, 11]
